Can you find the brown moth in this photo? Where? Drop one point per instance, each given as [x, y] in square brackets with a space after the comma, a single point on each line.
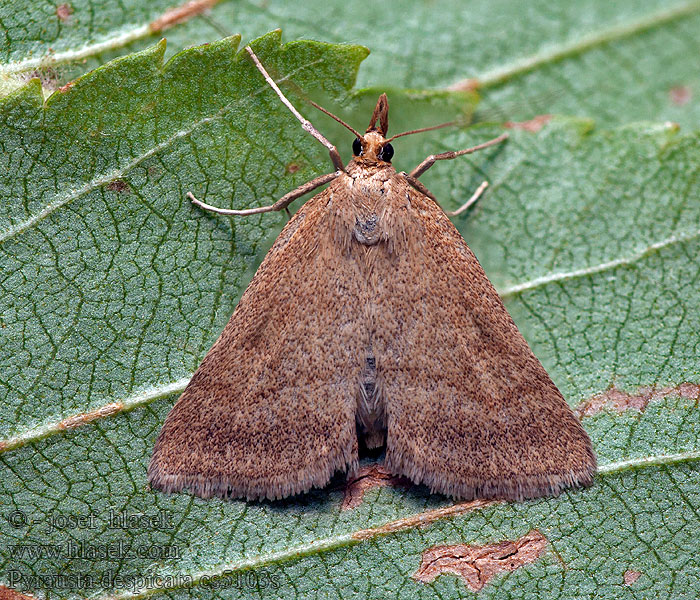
[370, 316]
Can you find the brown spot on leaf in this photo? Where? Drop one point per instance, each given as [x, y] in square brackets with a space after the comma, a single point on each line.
[83, 418]
[680, 95]
[66, 87]
[7, 593]
[366, 479]
[465, 85]
[477, 565]
[64, 11]
[620, 401]
[631, 576]
[149, 107]
[533, 125]
[119, 185]
[422, 519]
[181, 13]
[293, 167]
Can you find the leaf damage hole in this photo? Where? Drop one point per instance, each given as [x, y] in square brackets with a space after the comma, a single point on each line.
[631, 576]
[83, 418]
[365, 479]
[477, 565]
[7, 593]
[533, 125]
[680, 95]
[620, 401]
[181, 13]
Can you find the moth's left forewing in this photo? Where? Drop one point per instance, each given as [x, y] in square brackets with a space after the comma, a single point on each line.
[270, 412]
[471, 412]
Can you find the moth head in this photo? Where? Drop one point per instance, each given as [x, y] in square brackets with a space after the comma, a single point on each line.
[373, 145]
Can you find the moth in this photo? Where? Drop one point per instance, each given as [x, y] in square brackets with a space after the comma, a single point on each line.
[370, 318]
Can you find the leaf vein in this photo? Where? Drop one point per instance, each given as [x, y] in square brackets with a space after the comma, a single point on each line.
[600, 268]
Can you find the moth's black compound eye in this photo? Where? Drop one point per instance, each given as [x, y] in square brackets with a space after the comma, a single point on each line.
[357, 147]
[387, 152]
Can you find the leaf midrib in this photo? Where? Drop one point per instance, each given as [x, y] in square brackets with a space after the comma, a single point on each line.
[523, 65]
[599, 268]
[124, 35]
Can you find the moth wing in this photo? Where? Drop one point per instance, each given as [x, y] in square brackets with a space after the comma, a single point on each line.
[471, 412]
[270, 412]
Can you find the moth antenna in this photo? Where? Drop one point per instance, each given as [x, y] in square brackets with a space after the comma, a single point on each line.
[423, 129]
[332, 116]
[306, 125]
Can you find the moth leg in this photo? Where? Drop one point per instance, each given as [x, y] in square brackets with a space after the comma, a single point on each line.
[417, 185]
[281, 204]
[306, 125]
[450, 213]
[475, 196]
[430, 161]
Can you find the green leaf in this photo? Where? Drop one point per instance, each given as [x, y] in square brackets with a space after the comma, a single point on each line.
[114, 287]
[615, 62]
[612, 61]
[36, 34]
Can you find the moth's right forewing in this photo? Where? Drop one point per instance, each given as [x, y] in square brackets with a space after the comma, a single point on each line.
[471, 411]
[270, 412]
